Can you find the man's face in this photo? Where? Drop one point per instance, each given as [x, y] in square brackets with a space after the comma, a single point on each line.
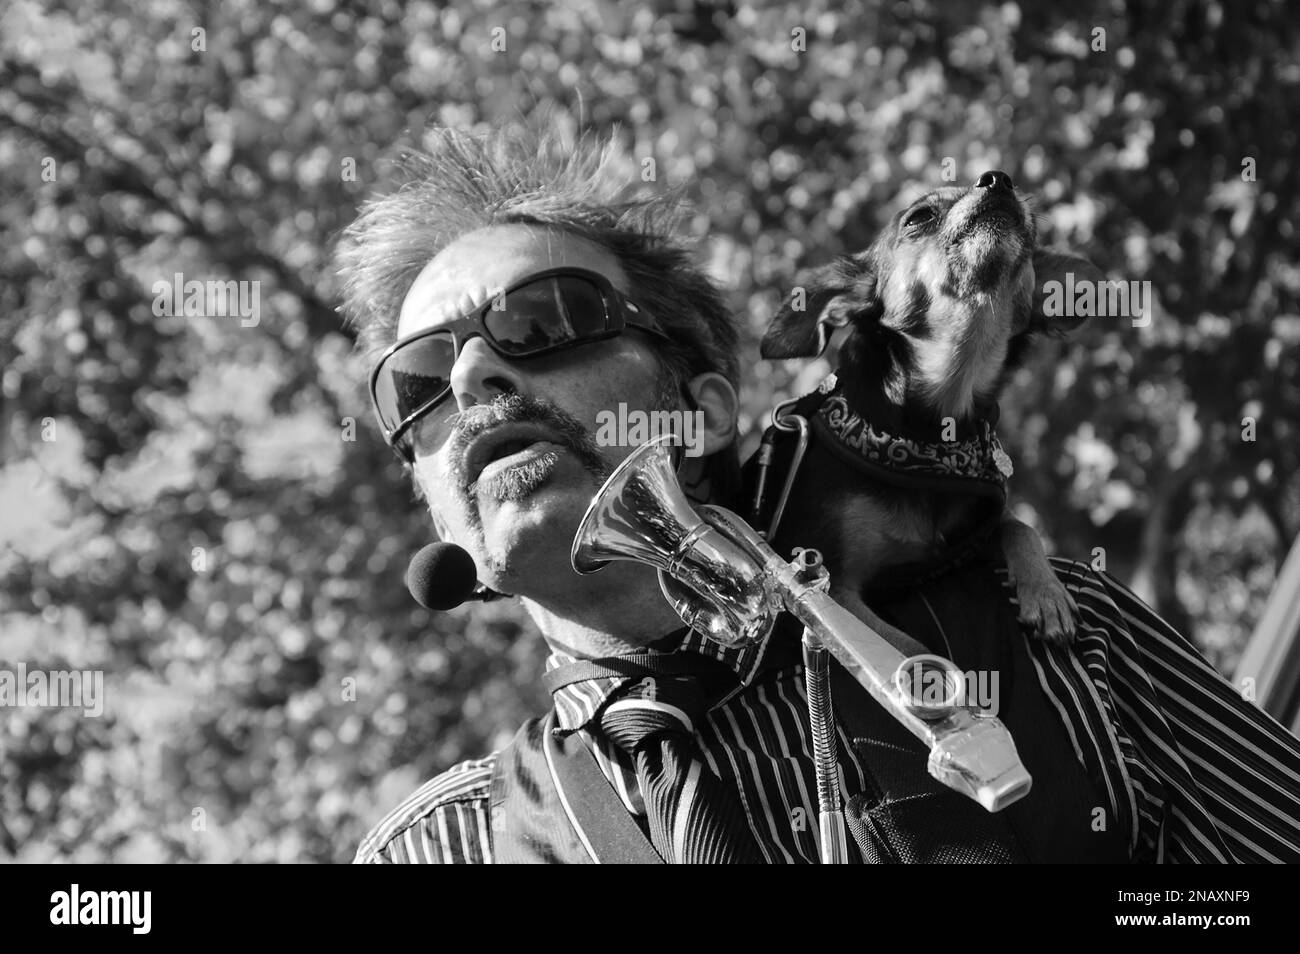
[508, 462]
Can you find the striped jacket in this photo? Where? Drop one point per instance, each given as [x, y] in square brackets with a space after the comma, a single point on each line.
[1191, 771]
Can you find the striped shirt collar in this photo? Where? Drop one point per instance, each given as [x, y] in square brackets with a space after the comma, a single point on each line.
[578, 704]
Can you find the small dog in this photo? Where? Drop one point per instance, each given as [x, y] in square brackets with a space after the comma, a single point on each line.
[941, 309]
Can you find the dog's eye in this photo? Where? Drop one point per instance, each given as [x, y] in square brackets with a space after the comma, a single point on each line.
[918, 217]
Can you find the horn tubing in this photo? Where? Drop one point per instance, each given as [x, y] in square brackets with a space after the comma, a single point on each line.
[723, 561]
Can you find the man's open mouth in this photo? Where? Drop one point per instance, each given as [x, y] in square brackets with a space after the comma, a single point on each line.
[505, 446]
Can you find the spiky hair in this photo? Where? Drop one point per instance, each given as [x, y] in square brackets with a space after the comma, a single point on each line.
[584, 185]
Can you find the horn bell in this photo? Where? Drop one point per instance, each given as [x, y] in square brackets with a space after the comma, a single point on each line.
[641, 514]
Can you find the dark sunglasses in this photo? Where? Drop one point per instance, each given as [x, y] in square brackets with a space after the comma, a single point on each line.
[546, 312]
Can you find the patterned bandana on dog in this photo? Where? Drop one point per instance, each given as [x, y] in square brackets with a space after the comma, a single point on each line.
[974, 463]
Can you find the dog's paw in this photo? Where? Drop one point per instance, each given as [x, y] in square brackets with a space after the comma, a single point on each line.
[1048, 609]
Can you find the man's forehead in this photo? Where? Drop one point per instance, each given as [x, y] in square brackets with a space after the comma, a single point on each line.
[478, 265]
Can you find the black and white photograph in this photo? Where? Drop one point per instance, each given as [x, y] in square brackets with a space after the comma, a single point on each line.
[675, 432]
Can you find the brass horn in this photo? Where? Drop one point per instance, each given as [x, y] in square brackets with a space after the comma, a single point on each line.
[642, 514]
[725, 581]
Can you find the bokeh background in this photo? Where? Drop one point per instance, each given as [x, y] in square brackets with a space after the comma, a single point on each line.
[185, 505]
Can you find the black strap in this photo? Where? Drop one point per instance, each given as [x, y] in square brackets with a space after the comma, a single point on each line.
[634, 664]
[593, 805]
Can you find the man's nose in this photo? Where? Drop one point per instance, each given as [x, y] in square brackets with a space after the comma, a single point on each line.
[994, 181]
[480, 374]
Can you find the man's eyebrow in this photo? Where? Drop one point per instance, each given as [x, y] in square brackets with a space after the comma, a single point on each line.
[444, 310]
[475, 297]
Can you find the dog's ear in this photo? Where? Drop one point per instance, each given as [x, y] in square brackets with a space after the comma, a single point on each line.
[1055, 272]
[823, 299]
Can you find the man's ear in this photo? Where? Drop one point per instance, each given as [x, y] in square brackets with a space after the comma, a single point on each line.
[715, 406]
[718, 407]
[823, 299]
[1055, 273]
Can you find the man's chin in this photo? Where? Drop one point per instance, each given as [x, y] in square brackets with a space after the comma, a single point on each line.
[530, 513]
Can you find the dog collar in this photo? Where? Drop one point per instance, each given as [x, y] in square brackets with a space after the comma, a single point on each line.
[974, 462]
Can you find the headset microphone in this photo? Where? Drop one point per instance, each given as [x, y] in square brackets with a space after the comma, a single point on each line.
[442, 576]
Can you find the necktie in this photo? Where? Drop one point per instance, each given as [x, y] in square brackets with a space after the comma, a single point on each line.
[692, 817]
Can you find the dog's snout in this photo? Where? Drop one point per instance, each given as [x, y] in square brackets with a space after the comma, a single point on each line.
[995, 180]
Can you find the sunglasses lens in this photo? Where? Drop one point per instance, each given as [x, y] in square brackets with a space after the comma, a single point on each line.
[547, 313]
[412, 377]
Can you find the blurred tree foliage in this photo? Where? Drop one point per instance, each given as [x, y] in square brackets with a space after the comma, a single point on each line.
[202, 509]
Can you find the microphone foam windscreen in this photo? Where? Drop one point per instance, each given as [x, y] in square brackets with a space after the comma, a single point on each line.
[441, 576]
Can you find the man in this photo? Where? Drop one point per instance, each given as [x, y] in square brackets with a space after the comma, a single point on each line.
[516, 293]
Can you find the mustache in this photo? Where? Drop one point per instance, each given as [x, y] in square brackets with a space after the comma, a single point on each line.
[568, 431]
